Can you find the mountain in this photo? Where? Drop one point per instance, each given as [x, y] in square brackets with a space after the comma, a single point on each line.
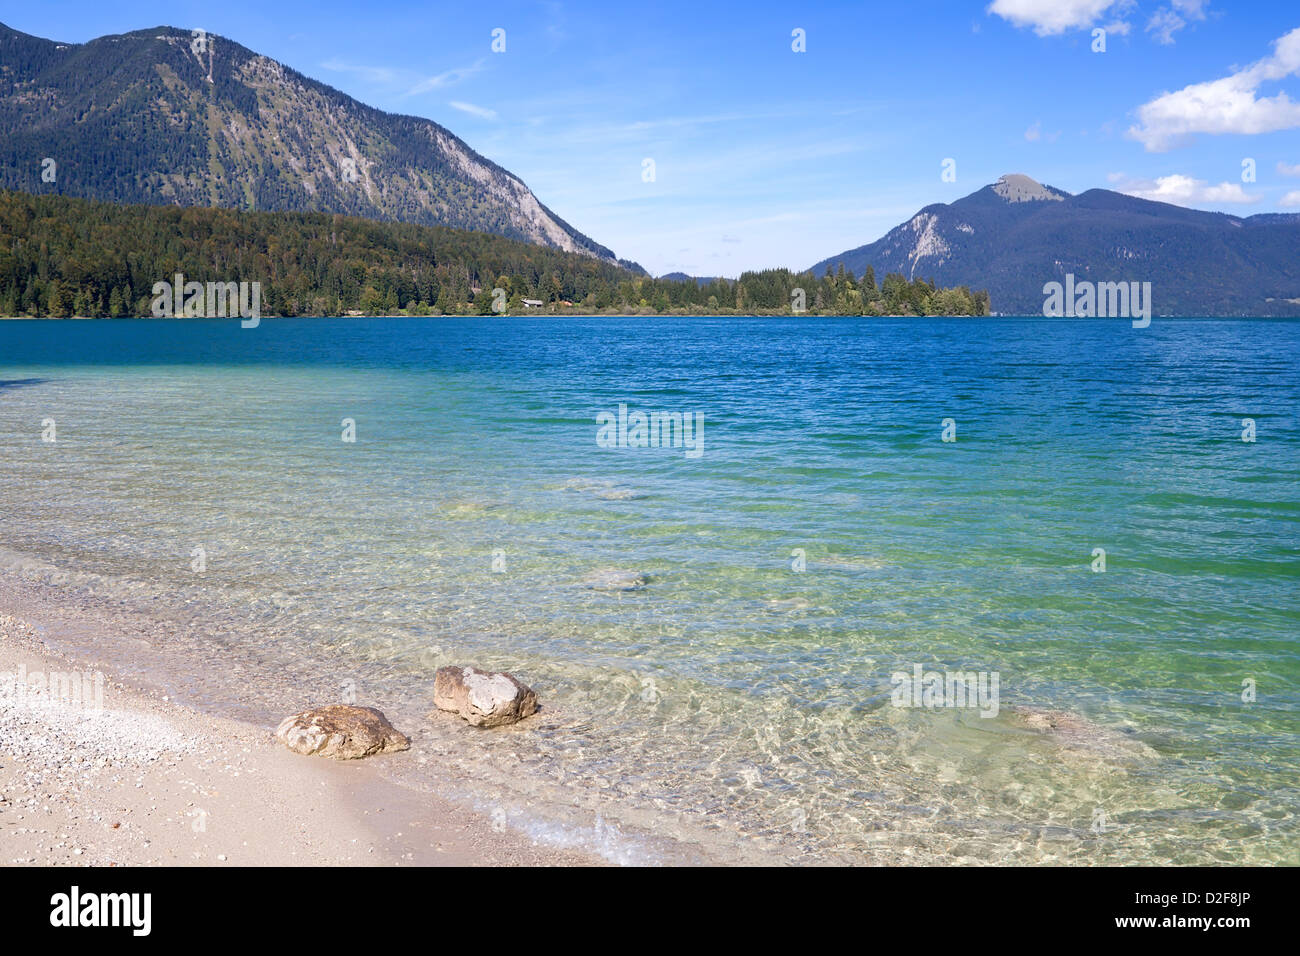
[164, 117]
[1016, 235]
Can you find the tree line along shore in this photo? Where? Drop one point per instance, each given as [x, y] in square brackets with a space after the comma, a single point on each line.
[62, 257]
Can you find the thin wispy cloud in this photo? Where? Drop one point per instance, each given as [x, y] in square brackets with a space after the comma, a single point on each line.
[1035, 133]
[374, 74]
[1167, 21]
[679, 122]
[445, 79]
[480, 111]
[389, 76]
[555, 28]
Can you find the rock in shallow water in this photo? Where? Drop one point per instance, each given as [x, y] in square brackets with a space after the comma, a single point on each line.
[341, 731]
[612, 579]
[1078, 735]
[604, 490]
[484, 698]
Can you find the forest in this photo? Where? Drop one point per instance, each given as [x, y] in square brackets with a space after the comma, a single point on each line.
[63, 257]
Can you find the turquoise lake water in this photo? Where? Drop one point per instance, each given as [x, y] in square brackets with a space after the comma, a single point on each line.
[735, 707]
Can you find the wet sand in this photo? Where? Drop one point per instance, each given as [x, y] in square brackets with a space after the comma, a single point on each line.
[118, 774]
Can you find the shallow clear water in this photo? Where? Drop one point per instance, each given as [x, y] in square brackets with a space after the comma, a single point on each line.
[734, 705]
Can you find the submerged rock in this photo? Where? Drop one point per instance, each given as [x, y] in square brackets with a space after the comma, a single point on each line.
[341, 731]
[604, 490]
[1080, 735]
[484, 698]
[788, 604]
[616, 494]
[613, 579]
[458, 508]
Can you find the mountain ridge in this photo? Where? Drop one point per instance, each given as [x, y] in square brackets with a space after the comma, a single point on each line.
[162, 115]
[1199, 263]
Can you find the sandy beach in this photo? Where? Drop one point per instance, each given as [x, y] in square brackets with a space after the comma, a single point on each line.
[117, 774]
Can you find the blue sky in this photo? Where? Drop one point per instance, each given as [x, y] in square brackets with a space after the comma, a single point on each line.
[764, 156]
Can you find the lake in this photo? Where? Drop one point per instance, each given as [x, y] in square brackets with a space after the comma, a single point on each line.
[719, 628]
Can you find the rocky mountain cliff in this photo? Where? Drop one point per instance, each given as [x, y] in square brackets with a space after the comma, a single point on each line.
[163, 116]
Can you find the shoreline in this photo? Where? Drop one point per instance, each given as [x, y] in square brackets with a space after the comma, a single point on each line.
[571, 314]
[146, 780]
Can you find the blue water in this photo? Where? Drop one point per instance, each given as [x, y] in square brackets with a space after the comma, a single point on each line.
[735, 707]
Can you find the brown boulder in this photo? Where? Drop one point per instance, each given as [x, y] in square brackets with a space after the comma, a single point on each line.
[484, 698]
[341, 731]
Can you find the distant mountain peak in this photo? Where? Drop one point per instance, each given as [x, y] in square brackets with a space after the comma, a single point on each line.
[1017, 187]
[1014, 236]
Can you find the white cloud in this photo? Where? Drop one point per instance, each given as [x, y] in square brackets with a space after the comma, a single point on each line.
[1164, 23]
[480, 111]
[1227, 105]
[1286, 170]
[1182, 190]
[1167, 21]
[1052, 17]
[1291, 199]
